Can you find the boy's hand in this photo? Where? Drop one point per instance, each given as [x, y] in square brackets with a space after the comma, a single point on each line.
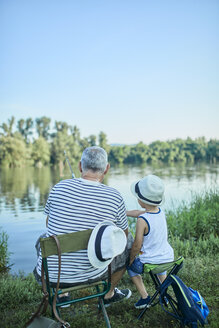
[131, 261]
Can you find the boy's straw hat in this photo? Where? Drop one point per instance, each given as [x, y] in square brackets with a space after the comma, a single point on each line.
[149, 190]
[106, 242]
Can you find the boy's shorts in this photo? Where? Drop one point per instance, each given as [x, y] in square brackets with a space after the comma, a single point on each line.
[137, 268]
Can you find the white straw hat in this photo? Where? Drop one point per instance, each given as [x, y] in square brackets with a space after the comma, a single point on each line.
[106, 242]
[149, 190]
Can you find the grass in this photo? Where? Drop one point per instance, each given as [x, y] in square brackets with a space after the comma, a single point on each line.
[4, 254]
[198, 242]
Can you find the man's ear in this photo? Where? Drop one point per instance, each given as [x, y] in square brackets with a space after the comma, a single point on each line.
[107, 168]
[79, 166]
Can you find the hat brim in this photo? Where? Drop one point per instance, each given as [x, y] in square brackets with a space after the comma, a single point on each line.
[142, 200]
[90, 248]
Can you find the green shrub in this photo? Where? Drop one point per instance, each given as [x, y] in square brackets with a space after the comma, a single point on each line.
[199, 219]
[4, 254]
[195, 248]
[16, 290]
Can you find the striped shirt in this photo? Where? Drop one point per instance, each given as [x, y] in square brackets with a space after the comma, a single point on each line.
[75, 205]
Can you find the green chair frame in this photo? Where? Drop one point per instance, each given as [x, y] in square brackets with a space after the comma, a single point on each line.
[73, 242]
[153, 270]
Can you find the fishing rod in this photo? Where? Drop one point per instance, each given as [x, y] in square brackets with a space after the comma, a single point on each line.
[67, 160]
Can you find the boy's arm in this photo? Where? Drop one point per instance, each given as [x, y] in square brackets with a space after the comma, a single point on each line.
[135, 213]
[141, 229]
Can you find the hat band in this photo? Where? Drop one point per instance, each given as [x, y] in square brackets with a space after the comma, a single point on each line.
[98, 243]
[142, 197]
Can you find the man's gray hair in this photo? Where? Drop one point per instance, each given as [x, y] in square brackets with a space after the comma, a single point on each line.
[94, 158]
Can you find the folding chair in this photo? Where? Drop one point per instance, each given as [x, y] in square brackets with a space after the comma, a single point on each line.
[64, 243]
[153, 270]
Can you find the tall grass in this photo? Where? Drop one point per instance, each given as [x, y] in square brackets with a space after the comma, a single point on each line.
[197, 220]
[4, 254]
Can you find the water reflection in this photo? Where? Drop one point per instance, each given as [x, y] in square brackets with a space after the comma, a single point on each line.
[27, 189]
[24, 189]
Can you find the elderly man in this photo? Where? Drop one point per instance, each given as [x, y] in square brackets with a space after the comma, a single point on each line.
[79, 204]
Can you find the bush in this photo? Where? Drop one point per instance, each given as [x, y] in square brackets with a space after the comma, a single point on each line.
[4, 254]
[20, 290]
[197, 220]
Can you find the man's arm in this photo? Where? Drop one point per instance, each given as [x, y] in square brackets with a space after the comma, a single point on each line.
[126, 232]
[47, 219]
[141, 229]
[135, 213]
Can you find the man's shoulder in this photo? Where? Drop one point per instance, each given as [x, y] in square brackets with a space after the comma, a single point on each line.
[111, 189]
[78, 183]
[67, 182]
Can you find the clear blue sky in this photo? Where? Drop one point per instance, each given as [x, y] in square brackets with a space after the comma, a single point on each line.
[138, 70]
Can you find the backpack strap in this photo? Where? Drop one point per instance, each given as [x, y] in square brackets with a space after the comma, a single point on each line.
[174, 315]
[163, 292]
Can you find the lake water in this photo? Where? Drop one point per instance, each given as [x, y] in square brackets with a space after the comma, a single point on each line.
[24, 193]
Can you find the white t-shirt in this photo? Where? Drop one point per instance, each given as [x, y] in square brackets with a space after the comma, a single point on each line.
[75, 205]
[155, 248]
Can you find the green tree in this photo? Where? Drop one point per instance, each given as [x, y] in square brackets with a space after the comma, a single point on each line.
[13, 151]
[43, 126]
[25, 127]
[117, 154]
[61, 126]
[60, 142]
[8, 128]
[103, 141]
[92, 140]
[41, 152]
[212, 152]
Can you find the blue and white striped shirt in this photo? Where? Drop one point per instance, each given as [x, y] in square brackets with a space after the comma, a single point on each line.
[74, 205]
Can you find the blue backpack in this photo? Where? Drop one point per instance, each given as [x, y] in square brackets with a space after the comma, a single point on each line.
[190, 304]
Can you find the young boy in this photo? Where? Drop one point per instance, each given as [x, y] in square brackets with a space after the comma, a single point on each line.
[150, 244]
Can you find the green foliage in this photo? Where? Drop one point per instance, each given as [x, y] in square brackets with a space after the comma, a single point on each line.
[197, 220]
[43, 126]
[103, 141]
[4, 255]
[8, 128]
[18, 289]
[195, 248]
[41, 152]
[13, 151]
[16, 148]
[25, 127]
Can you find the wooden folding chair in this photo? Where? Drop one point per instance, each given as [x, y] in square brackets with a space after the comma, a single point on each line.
[153, 270]
[64, 243]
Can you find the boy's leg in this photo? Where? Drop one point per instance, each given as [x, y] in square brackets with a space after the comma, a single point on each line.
[137, 280]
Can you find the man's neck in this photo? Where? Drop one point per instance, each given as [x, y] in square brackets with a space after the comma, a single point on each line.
[92, 176]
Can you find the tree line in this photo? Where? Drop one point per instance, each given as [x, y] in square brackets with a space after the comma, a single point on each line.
[34, 142]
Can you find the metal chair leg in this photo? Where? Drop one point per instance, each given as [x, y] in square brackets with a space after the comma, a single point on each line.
[106, 318]
[151, 301]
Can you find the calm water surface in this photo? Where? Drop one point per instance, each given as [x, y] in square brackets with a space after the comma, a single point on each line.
[24, 193]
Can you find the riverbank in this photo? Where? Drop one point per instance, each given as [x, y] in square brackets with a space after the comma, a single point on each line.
[194, 233]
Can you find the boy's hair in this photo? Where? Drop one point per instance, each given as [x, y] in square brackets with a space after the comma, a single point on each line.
[95, 159]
